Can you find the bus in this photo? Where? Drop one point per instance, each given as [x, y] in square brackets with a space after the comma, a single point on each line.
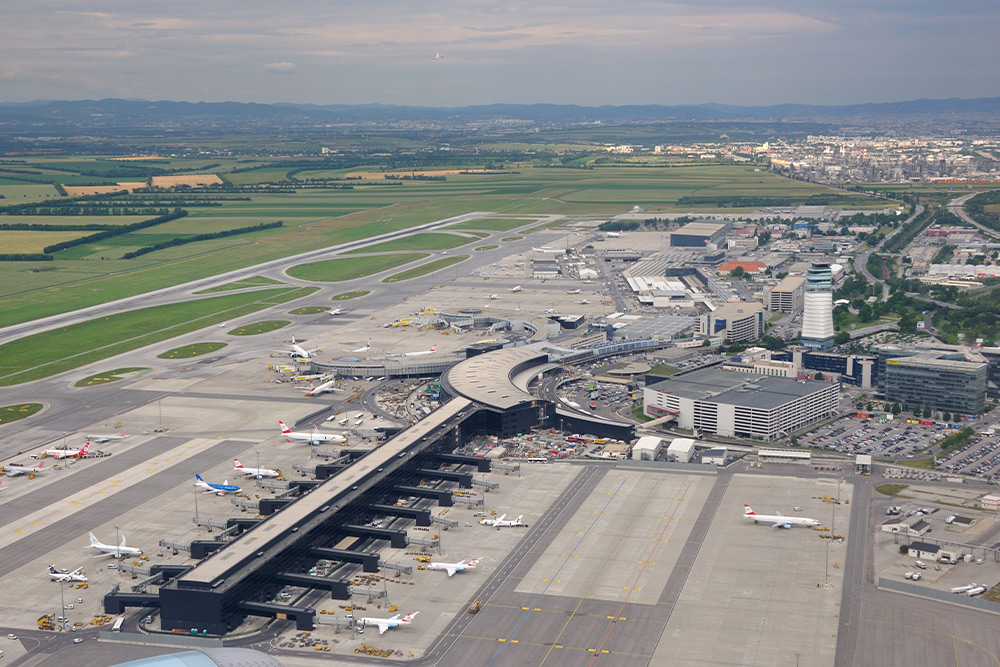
[536, 459]
[117, 627]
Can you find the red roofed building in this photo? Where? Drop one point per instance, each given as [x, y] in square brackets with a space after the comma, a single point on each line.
[748, 267]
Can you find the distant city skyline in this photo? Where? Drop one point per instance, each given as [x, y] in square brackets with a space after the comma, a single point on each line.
[588, 53]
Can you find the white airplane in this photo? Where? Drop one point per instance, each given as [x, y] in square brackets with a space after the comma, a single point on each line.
[111, 550]
[14, 470]
[67, 453]
[316, 390]
[61, 577]
[583, 301]
[437, 56]
[387, 623]
[499, 522]
[516, 288]
[778, 520]
[337, 311]
[298, 351]
[259, 473]
[452, 568]
[613, 235]
[217, 489]
[104, 437]
[313, 437]
[548, 311]
[575, 291]
[420, 353]
[367, 347]
[493, 297]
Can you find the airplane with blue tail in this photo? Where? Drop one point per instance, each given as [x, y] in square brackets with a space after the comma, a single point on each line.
[218, 489]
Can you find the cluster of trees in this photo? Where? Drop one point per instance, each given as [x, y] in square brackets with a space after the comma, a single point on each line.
[914, 227]
[957, 439]
[412, 177]
[116, 231]
[181, 240]
[619, 226]
[25, 257]
[977, 317]
[742, 201]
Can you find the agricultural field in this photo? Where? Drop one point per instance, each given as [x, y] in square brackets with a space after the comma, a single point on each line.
[32, 241]
[422, 241]
[424, 269]
[93, 340]
[323, 217]
[350, 268]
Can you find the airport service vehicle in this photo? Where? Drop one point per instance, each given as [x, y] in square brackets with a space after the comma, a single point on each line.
[104, 437]
[111, 550]
[217, 489]
[60, 577]
[259, 473]
[778, 520]
[452, 568]
[516, 288]
[973, 592]
[387, 623]
[499, 522]
[298, 351]
[68, 453]
[14, 470]
[313, 437]
[964, 589]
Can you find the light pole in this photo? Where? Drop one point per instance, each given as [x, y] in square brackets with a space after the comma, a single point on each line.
[118, 548]
[62, 604]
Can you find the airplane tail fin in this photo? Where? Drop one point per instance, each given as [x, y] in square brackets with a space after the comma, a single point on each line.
[238, 464]
[284, 429]
[473, 562]
[53, 570]
[747, 511]
[123, 541]
[434, 348]
[519, 517]
[85, 449]
[93, 540]
[409, 617]
[198, 477]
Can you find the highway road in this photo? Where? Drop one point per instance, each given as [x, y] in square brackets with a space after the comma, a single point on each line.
[957, 206]
[861, 260]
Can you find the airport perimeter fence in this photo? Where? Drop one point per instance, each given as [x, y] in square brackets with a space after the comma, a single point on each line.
[169, 641]
[960, 599]
[667, 465]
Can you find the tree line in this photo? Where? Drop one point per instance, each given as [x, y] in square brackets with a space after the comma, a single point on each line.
[117, 231]
[181, 240]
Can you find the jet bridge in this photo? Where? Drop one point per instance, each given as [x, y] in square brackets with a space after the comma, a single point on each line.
[482, 465]
[464, 479]
[397, 538]
[420, 516]
[339, 588]
[305, 618]
[369, 561]
[442, 496]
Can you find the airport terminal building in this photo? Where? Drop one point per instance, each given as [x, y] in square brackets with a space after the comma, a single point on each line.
[741, 405]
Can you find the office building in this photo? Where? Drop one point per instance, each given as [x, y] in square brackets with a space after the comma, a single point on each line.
[787, 296]
[949, 378]
[739, 321]
[699, 234]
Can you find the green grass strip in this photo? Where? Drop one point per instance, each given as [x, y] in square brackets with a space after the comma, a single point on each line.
[424, 241]
[259, 327]
[351, 295]
[424, 269]
[252, 281]
[13, 413]
[188, 351]
[486, 247]
[350, 268]
[309, 310]
[93, 340]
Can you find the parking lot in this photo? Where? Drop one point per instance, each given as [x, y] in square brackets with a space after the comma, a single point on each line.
[893, 441]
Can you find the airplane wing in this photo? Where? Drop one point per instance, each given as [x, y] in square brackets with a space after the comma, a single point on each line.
[778, 513]
[778, 524]
[383, 625]
[450, 569]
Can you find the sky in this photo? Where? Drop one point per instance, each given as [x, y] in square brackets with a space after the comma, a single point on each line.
[586, 52]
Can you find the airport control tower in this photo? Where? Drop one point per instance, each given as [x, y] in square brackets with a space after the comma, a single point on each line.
[817, 313]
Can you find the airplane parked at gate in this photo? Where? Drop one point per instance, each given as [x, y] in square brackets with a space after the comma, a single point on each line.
[67, 453]
[419, 353]
[61, 577]
[255, 472]
[367, 347]
[499, 522]
[778, 520]
[104, 437]
[387, 623]
[313, 437]
[217, 489]
[452, 568]
[298, 351]
[316, 390]
[14, 470]
[111, 550]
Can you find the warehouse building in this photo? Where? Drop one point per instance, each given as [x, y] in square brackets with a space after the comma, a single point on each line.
[646, 448]
[740, 404]
[681, 450]
[699, 234]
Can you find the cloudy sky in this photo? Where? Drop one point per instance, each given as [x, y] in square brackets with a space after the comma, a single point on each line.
[587, 52]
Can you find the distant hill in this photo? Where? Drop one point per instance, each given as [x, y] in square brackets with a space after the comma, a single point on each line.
[164, 115]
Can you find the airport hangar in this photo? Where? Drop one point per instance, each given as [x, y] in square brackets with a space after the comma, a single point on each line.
[486, 395]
